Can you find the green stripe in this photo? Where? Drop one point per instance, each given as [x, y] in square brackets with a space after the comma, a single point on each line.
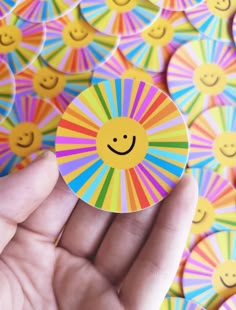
[96, 21]
[180, 145]
[148, 57]
[100, 96]
[55, 53]
[188, 110]
[102, 195]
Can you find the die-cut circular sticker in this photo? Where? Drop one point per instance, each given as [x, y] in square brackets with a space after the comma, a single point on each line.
[41, 80]
[20, 41]
[210, 271]
[7, 90]
[200, 75]
[6, 7]
[213, 141]
[119, 67]
[119, 17]
[212, 18]
[26, 161]
[152, 48]
[177, 5]
[216, 209]
[176, 289]
[122, 145]
[176, 303]
[38, 11]
[73, 46]
[31, 126]
[229, 304]
[234, 29]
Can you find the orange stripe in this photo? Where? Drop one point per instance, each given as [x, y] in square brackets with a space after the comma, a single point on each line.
[139, 189]
[82, 118]
[130, 192]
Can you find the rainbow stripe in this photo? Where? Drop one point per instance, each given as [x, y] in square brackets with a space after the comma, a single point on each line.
[33, 110]
[234, 28]
[7, 90]
[101, 17]
[221, 194]
[37, 11]
[201, 264]
[204, 131]
[74, 84]
[30, 46]
[230, 304]
[181, 71]
[146, 55]
[6, 6]
[26, 161]
[75, 60]
[118, 67]
[210, 25]
[177, 5]
[176, 303]
[176, 289]
[122, 190]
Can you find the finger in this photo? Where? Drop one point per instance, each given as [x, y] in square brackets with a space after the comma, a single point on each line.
[50, 217]
[23, 192]
[85, 230]
[122, 243]
[151, 275]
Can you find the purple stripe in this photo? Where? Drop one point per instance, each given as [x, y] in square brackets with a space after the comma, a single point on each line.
[148, 187]
[152, 92]
[160, 189]
[127, 95]
[76, 151]
[68, 140]
[137, 98]
[77, 163]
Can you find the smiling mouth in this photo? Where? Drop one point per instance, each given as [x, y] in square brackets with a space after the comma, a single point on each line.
[202, 218]
[30, 142]
[157, 37]
[6, 44]
[50, 87]
[226, 285]
[220, 9]
[121, 4]
[210, 84]
[78, 39]
[227, 155]
[126, 152]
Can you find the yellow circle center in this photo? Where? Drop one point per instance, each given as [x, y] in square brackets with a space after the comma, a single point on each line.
[222, 8]
[78, 34]
[10, 37]
[210, 79]
[224, 278]
[137, 74]
[225, 148]
[122, 143]
[161, 32]
[48, 82]
[25, 139]
[204, 216]
[121, 5]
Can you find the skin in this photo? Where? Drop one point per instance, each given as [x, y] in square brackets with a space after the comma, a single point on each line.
[103, 261]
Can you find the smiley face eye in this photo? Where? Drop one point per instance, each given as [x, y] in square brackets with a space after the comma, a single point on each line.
[205, 75]
[20, 138]
[5, 35]
[125, 136]
[226, 274]
[225, 145]
[234, 275]
[26, 134]
[115, 140]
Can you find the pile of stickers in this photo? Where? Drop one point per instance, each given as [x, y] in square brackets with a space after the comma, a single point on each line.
[112, 84]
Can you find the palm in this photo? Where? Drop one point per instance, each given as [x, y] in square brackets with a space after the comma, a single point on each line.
[102, 262]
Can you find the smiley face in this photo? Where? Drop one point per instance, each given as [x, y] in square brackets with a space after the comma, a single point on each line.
[10, 37]
[225, 148]
[48, 82]
[160, 32]
[25, 139]
[121, 5]
[122, 143]
[204, 216]
[78, 34]
[224, 278]
[210, 79]
[221, 8]
[137, 74]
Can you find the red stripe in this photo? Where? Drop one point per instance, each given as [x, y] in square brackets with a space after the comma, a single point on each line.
[139, 190]
[74, 127]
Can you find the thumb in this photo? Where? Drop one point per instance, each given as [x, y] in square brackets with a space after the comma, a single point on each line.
[21, 193]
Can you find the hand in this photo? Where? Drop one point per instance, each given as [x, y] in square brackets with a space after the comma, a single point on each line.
[103, 261]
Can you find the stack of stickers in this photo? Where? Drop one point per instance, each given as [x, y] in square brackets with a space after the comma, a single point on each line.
[110, 85]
